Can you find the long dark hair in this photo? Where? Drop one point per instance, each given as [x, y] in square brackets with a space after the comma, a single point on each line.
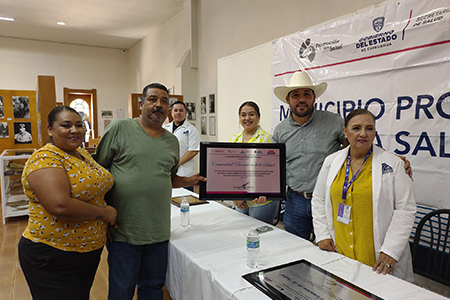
[252, 104]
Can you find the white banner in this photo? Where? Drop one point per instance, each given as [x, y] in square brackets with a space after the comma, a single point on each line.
[395, 61]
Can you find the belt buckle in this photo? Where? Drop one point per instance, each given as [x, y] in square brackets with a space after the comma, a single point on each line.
[305, 194]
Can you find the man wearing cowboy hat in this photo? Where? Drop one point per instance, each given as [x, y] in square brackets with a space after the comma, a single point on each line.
[310, 135]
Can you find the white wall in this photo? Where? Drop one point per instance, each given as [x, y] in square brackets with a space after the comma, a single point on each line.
[244, 72]
[76, 67]
[225, 28]
[156, 57]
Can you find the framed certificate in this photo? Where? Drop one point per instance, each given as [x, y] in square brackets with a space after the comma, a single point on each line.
[242, 171]
[304, 280]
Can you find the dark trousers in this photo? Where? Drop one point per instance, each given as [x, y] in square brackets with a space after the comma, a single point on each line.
[53, 274]
[143, 266]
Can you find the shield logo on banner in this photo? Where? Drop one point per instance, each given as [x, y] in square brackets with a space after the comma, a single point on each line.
[378, 24]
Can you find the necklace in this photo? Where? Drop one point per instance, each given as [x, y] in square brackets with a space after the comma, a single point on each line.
[246, 138]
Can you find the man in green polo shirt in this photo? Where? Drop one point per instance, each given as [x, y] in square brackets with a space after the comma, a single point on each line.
[143, 158]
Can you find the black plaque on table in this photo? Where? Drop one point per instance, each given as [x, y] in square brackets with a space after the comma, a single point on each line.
[304, 280]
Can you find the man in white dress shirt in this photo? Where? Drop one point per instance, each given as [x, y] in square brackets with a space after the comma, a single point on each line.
[188, 137]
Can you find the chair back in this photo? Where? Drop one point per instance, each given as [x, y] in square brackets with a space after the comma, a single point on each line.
[431, 247]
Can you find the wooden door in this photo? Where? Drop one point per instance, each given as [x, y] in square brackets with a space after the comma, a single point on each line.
[84, 101]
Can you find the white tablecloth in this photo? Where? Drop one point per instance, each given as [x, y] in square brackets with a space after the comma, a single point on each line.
[207, 259]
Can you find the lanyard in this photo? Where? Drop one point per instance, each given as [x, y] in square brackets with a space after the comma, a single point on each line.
[347, 184]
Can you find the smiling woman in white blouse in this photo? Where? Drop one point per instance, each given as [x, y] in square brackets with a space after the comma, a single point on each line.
[363, 204]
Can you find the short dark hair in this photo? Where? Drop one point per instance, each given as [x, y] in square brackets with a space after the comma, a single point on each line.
[153, 86]
[357, 112]
[314, 93]
[178, 102]
[252, 104]
[56, 111]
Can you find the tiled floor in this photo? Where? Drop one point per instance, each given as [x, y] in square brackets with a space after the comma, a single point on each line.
[14, 287]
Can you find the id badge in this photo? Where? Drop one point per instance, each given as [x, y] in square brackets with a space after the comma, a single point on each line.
[343, 214]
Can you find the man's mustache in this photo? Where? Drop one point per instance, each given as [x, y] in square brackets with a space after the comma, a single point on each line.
[158, 110]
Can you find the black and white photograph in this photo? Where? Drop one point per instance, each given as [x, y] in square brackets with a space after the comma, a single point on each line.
[190, 107]
[172, 100]
[203, 125]
[106, 123]
[2, 111]
[212, 104]
[212, 125]
[203, 104]
[107, 114]
[4, 130]
[22, 133]
[21, 107]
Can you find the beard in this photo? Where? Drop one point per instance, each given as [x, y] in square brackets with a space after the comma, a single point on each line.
[303, 113]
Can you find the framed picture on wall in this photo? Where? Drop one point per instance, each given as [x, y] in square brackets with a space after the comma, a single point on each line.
[106, 123]
[212, 104]
[172, 100]
[203, 125]
[4, 130]
[190, 107]
[107, 114]
[2, 111]
[212, 125]
[21, 107]
[22, 133]
[203, 104]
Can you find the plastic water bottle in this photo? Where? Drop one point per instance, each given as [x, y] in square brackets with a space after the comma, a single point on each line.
[253, 249]
[184, 213]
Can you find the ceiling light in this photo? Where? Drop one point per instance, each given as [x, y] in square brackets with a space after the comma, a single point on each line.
[61, 23]
[6, 19]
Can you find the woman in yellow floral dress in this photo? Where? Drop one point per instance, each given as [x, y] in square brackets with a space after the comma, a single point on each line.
[60, 249]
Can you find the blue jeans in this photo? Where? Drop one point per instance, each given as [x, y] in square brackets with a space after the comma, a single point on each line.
[297, 216]
[265, 213]
[141, 265]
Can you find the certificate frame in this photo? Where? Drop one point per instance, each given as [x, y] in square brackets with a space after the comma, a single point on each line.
[263, 281]
[275, 191]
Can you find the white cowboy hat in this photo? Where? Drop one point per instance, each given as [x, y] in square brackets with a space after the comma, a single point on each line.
[300, 80]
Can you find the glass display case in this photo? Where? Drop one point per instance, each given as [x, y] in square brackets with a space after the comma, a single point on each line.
[14, 201]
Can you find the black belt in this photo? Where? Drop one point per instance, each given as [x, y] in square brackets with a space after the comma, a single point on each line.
[304, 194]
